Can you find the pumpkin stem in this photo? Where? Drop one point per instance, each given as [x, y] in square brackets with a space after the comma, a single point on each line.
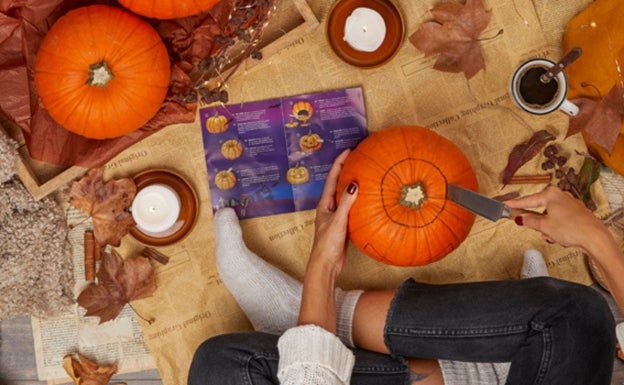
[413, 195]
[99, 74]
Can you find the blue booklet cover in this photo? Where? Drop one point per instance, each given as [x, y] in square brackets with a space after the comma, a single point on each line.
[272, 156]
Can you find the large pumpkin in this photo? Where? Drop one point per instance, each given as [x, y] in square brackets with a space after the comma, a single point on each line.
[598, 30]
[401, 215]
[169, 9]
[102, 72]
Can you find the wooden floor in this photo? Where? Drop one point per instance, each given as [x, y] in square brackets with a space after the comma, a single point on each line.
[17, 360]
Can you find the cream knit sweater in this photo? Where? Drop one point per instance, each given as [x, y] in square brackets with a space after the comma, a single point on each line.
[312, 355]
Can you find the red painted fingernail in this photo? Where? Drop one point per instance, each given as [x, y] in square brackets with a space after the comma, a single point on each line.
[519, 221]
[352, 187]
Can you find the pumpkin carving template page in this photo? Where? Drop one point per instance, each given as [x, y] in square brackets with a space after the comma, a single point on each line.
[272, 156]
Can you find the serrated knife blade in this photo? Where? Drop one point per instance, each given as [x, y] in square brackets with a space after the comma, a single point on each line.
[477, 203]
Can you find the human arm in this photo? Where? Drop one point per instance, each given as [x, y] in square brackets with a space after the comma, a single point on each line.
[318, 306]
[568, 222]
[311, 352]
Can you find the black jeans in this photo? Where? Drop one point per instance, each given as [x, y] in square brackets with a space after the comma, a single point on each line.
[552, 332]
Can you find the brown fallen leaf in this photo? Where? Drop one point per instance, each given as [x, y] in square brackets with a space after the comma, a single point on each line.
[523, 152]
[86, 372]
[601, 120]
[106, 203]
[118, 283]
[453, 35]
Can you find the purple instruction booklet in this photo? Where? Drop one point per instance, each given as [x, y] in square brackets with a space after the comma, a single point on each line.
[272, 156]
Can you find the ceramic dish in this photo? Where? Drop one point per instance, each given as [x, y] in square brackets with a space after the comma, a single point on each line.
[395, 32]
[188, 212]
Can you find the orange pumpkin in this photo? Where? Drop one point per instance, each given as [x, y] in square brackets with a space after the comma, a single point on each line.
[297, 175]
[102, 72]
[225, 180]
[598, 30]
[401, 216]
[217, 124]
[159, 9]
[231, 149]
[302, 111]
[310, 142]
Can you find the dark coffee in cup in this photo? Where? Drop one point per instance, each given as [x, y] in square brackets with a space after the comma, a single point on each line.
[533, 90]
[537, 97]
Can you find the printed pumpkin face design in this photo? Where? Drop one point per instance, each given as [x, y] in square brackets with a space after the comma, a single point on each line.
[225, 180]
[310, 142]
[217, 124]
[297, 175]
[231, 149]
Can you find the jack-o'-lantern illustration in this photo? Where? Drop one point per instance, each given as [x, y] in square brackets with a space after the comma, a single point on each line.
[217, 124]
[310, 142]
[231, 149]
[225, 179]
[297, 175]
[302, 112]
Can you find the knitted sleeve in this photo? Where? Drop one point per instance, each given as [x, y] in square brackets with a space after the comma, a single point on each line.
[474, 373]
[311, 355]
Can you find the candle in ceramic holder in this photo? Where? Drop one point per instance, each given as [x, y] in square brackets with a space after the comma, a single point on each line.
[156, 208]
[365, 30]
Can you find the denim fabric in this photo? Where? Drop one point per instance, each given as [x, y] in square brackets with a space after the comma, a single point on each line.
[251, 358]
[552, 332]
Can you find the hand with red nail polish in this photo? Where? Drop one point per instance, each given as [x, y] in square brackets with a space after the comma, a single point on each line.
[565, 220]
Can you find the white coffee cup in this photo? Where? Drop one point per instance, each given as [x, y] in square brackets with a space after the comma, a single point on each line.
[536, 97]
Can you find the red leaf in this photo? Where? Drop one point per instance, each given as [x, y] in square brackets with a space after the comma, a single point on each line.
[601, 120]
[119, 282]
[106, 203]
[524, 152]
[453, 35]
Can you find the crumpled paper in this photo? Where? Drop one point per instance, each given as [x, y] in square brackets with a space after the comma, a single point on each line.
[23, 25]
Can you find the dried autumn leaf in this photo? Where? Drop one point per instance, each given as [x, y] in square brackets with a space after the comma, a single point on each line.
[86, 372]
[523, 152]
[453, 35]
[106, 203]
[601, 120]
[589, 173]
[118, 283]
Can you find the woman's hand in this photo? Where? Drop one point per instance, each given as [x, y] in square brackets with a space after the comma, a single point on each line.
[328, 252]
[330, 237]
[565, 220]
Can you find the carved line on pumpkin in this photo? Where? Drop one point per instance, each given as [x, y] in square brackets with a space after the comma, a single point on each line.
[389, 173]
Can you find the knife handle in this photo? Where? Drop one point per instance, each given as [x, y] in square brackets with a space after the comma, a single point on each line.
[512, 213]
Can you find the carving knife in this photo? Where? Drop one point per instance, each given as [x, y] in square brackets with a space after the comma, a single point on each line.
[479, 204]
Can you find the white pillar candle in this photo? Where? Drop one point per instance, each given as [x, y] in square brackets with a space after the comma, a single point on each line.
[365, 30]
[156, 208]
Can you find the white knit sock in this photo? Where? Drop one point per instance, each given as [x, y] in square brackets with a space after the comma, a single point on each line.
[268, 297]
[619, 332]
[533, 265]
[345, 307]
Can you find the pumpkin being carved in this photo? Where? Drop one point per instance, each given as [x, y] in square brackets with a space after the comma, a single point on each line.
[225, 180]
[217, 124]
[159, 9]
[401, 216]
[102, 72]
[310, 142]
[297, 175]
[231, 149]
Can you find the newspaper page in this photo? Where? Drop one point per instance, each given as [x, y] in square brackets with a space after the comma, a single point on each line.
[120, 340]
[191, 304]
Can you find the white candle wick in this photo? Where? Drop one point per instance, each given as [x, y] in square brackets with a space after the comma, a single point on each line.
[156, 208]
[365, 30]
